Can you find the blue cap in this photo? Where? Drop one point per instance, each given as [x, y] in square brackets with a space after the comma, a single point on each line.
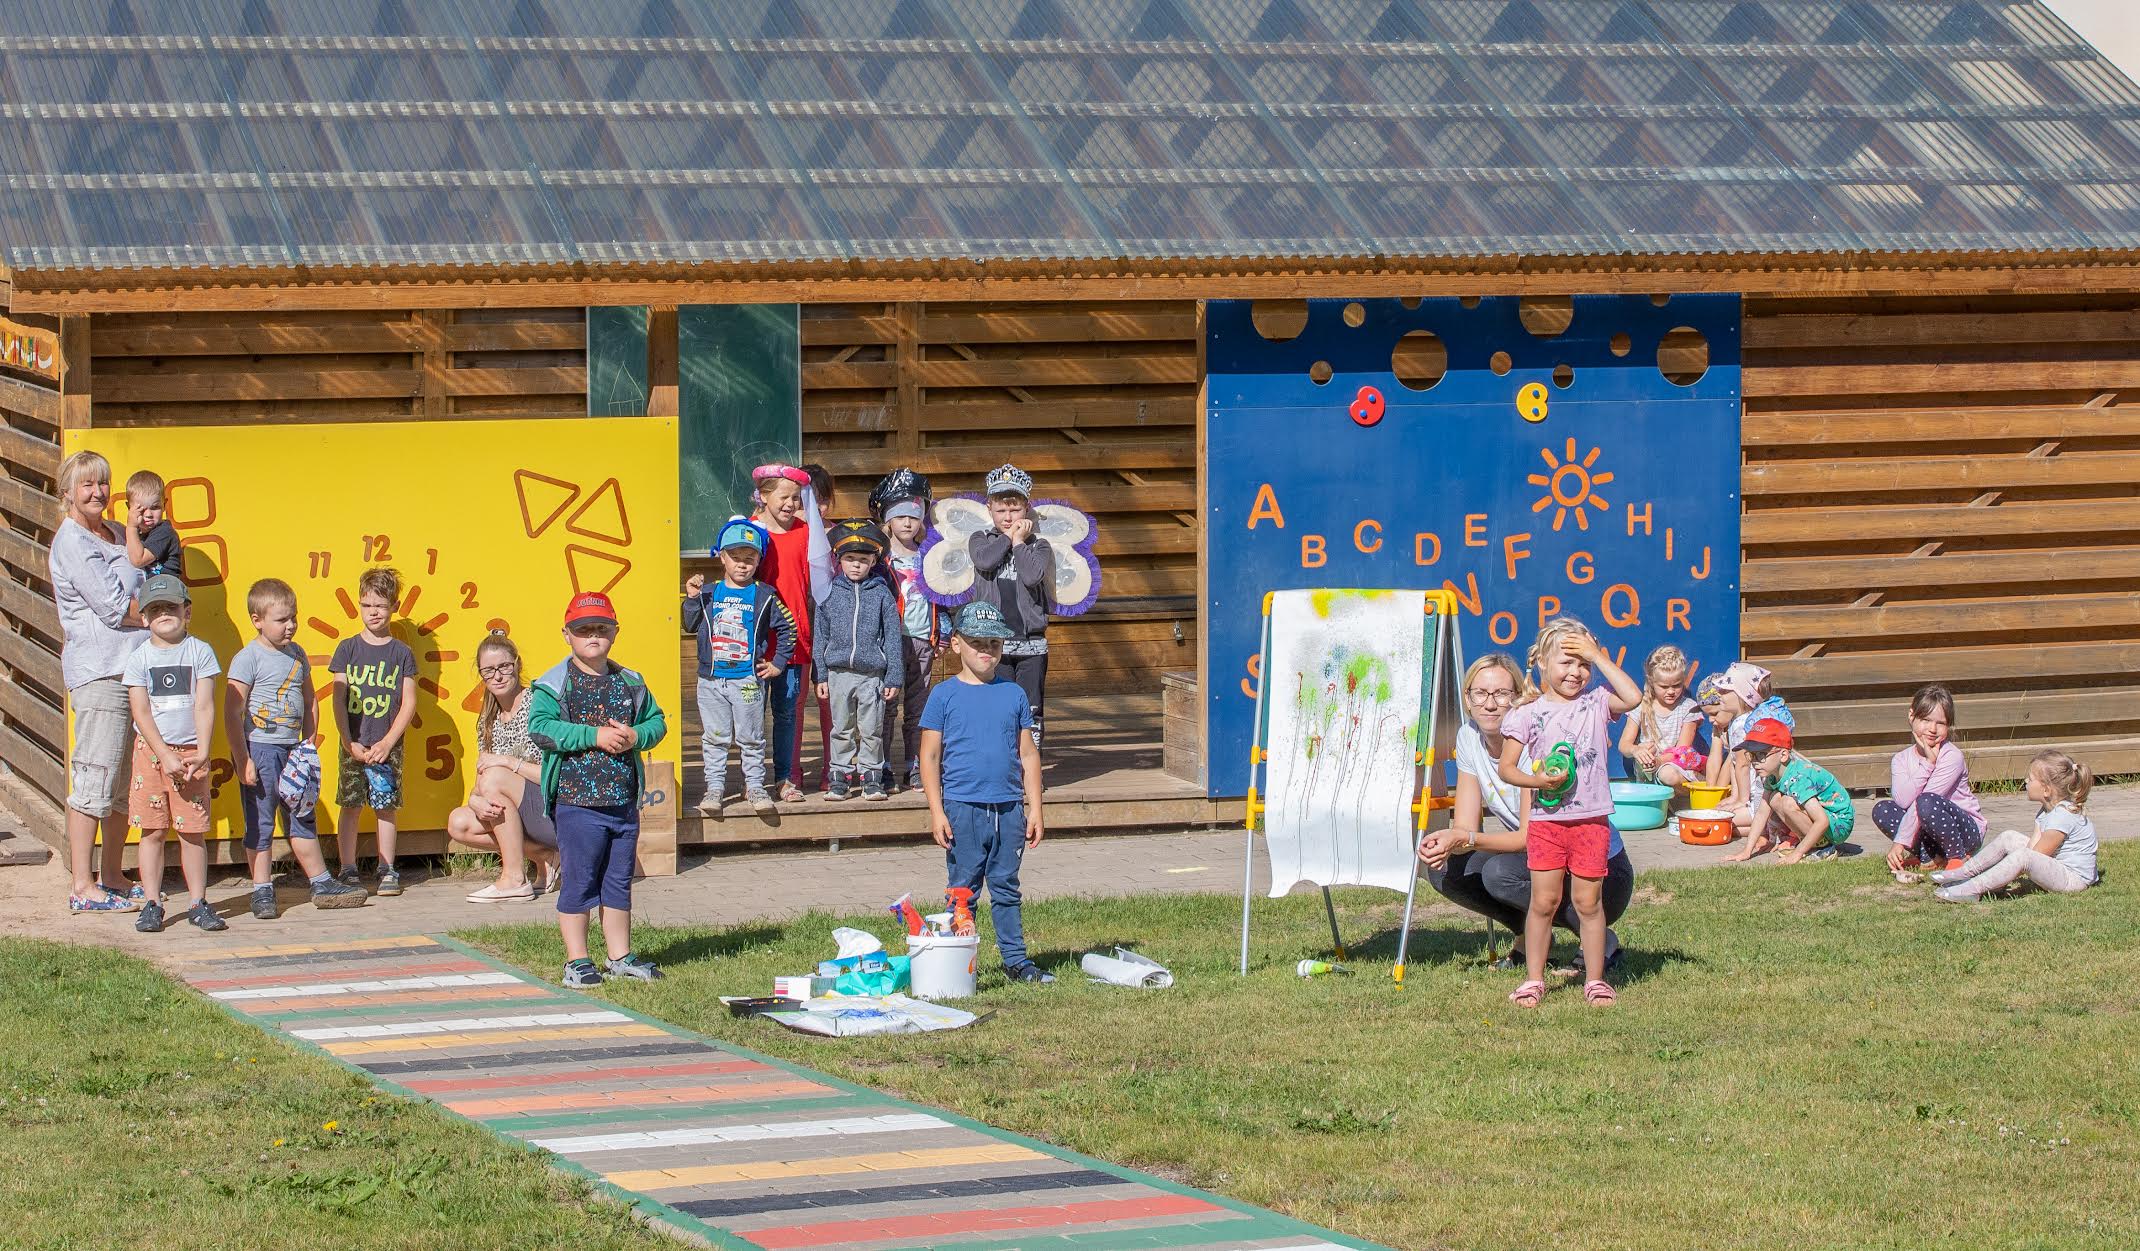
[740, 532]
[980, 621]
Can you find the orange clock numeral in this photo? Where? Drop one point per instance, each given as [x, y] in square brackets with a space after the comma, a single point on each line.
[438, 755]
[468, 595]
[430, 560]
[378, 547]
[321, 561]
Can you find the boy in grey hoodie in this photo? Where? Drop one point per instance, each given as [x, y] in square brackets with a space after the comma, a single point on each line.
[858, 660]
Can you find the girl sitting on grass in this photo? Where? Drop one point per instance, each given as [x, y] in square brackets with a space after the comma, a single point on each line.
[2061, 855]
[1660, 733]
[1930, 811]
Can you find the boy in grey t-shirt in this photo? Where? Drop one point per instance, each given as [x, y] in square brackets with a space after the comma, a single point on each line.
[267, 713]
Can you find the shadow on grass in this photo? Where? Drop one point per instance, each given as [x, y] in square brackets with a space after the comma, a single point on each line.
[1468, 946]
[728, 942]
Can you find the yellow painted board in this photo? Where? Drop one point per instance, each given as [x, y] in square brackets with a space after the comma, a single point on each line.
[493, 525]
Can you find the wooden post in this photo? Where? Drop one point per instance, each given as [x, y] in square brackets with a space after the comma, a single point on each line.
[657, 821]
[74, 373]
[661, 362]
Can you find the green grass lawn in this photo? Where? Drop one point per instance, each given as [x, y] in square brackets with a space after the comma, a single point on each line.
[135, 1113]
[1801, 1059]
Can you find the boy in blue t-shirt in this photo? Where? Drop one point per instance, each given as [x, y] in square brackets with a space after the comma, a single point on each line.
[981, 770]
[746, 637]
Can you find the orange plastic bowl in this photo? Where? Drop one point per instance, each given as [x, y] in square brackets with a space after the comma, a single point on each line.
[1705, 827]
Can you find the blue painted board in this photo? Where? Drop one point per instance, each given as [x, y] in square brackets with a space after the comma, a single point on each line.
[1619, 505]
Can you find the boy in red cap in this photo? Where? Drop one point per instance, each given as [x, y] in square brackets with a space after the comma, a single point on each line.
[592, 718]
[1803, 810]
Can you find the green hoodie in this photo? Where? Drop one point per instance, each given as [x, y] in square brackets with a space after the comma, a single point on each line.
[559, 738]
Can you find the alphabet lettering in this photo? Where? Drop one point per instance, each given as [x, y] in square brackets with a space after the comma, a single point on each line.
[1495, 630]
[1419, 548]
[1548, 608]
[1676, 615]
[1512, 550]
[1360, 541]
[1472, 601]
[1266, 505]
[1255, 676]
[1668, 542]
[1620, 620]
[1643, 517]
[1702, 573]
[1474, 529]
[1312, 554]
[1589, 570]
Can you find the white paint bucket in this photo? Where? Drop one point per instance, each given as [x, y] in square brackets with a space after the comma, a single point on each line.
[944, 968]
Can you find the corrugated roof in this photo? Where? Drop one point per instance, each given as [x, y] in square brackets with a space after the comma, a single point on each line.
[150, 133]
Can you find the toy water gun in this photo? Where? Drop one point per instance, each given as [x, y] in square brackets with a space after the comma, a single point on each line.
[961, 911]
[1316, 968]
[903, 908]
[1561, 759]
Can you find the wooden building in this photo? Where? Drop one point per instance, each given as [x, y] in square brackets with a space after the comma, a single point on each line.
[1000, 219]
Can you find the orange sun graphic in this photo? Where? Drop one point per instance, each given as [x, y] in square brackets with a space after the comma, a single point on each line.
[425, 631]
[1570, 486]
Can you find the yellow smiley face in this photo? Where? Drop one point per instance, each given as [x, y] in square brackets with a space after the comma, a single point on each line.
[1531, 401]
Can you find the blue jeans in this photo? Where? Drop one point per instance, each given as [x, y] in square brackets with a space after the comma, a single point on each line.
[783, 692]
[988, 844]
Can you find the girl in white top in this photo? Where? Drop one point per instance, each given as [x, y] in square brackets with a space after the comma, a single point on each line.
[2059, 857]
[1660, 732]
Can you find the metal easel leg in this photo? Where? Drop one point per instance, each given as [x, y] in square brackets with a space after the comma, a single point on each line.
[1248, 886]
[1337, 944]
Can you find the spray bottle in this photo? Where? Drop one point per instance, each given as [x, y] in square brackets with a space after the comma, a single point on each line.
[910, 916]
[1316, 968]
[961, 910]
[1562, 760]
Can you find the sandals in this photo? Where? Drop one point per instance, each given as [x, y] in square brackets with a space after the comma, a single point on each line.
[1599, 994]
[1528, 994]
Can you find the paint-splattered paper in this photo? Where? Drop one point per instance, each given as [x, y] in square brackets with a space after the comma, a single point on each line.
[1343, 701]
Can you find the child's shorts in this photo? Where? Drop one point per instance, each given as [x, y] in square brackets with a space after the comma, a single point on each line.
[373, 786]
[1685, 759]
[262, 802]
[156, 802]
[597, 849]
[1577, 846]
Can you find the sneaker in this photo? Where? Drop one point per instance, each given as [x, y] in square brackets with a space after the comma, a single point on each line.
[1030, 972]
[1510, 962]
[151, 919]
[1951, 894]
[127, 890]
[109, 902]
[205, 918]
[494, 893]
[633, 965]
[1821, 853]
[874, 789]
[710, 806]
[389, 881]
[762, 803]
[349, 876]
[914, 778]
[580, 974]
[839, 790]
[333, 894]
[264, 908]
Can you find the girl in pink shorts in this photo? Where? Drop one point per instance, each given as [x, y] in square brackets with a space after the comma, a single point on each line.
[1564, 729]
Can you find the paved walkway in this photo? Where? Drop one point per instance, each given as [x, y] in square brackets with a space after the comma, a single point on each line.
[725, 1146]
[730, 889]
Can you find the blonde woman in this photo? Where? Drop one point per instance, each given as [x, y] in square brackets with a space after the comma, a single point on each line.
[94, 585]
[1483, 870]
[505, 813]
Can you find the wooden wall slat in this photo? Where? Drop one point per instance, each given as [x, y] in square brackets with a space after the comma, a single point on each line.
[33, 725]
[1978, 524]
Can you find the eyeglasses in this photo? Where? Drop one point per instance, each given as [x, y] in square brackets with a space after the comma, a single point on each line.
[496, 671]
[592, 629]
[1491, 697]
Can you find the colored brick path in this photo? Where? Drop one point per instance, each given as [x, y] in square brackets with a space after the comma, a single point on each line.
[725, 1146]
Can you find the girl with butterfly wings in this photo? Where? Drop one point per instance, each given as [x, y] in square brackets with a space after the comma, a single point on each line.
[1027, 559]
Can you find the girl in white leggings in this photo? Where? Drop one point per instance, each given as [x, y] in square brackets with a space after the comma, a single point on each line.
[2059, 857]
